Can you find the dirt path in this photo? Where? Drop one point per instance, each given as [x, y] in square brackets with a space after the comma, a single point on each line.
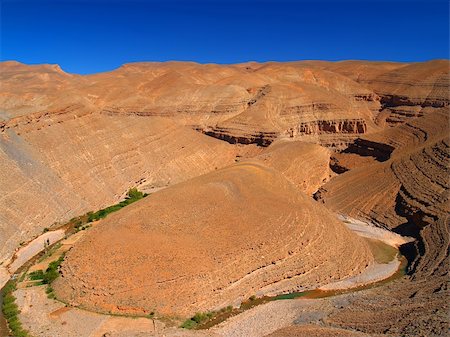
[34, 247]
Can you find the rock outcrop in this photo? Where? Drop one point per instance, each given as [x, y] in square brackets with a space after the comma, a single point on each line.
[305, 165]
[408, 193]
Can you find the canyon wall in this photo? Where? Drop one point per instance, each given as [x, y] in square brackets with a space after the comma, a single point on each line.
[60, 166]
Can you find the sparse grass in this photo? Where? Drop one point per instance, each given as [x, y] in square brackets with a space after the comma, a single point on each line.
[50, 294]
[24, 274]
[188, 324]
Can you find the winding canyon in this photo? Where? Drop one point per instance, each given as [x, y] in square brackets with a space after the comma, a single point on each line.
[255, 172]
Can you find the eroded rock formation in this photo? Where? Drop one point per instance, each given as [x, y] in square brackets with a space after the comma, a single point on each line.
[212, 241]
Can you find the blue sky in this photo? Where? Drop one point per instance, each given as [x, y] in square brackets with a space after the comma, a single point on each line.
[99, 35]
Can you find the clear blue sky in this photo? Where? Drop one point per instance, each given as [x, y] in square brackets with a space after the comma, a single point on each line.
[98, 35]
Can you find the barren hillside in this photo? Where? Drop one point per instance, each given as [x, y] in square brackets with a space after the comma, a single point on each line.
[210, 242]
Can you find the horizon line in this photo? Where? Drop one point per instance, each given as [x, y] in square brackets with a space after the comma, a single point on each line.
[219, 63]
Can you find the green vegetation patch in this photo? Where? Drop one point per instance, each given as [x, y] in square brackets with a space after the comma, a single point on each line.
[11, 310]
[36, 275]
[198, 318]
[50, 274]
[201, 318]
[133, 195]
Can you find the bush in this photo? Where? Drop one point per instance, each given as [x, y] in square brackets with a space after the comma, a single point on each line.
[10, 310]
[198, 318]
[188, 324]
[134, 194]
[36, 275]
[52, 273]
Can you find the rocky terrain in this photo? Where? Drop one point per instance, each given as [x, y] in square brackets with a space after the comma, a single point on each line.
[63, 165]
[210, 242]
[368, 140]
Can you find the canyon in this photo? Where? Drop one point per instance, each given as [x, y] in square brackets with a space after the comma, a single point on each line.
[252, 170]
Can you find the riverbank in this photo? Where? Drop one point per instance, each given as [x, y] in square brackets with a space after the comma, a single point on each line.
[48, 317]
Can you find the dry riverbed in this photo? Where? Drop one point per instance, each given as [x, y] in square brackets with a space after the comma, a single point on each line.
[45, 317]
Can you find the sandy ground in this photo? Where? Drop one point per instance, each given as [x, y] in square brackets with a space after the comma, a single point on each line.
[374, 273]
[33, 248]
[371, 231]
[4, 276]
[48, 318]
[265, 319]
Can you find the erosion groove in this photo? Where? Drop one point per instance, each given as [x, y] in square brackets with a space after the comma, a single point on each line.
[410, 194]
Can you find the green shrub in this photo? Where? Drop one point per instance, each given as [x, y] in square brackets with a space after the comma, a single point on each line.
[9, 287]
[198, 318]
[50, 276]
[188, 324]
[9, 298]
[132, 196]
[52, 273]
[10, 310]
[36, 275]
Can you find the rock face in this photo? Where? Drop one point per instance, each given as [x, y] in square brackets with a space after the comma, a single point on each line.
[410, 194]
[210, 242]
[305, 165]
[405, 90]
[243, 103]
[58, 166]
[333, 126]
